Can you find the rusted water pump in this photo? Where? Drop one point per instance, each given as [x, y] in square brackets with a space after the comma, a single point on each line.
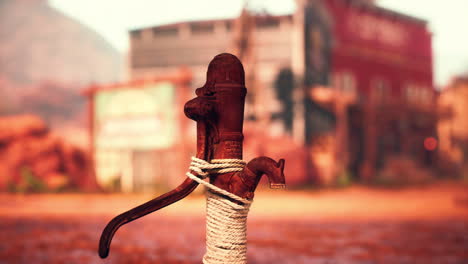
[218, 110]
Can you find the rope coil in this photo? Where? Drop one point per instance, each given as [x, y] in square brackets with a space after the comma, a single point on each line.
[226, 221]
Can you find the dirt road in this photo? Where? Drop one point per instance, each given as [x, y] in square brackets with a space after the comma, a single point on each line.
[355, 225]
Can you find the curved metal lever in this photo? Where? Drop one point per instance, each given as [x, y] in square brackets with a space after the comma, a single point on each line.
[160, 202]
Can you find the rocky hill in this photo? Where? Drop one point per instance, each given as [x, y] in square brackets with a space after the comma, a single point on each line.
[46, 59]
[39, 43]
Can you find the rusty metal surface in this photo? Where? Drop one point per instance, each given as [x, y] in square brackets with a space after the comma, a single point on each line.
[218, 110]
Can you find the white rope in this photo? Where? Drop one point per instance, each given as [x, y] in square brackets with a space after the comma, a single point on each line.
[217, 166]
[226, 221]
[226, 231]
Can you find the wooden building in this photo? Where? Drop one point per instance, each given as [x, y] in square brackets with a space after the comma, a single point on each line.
[348, 81]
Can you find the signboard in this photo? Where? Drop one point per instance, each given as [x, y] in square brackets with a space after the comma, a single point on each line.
[379, 33]
[382, 30]
[138, 118]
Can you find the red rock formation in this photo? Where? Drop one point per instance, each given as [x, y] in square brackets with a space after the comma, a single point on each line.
[33, 155]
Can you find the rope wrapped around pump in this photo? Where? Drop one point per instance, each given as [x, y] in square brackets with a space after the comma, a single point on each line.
[226, 222]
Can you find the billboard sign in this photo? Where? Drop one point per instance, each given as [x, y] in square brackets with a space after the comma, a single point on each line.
[139, 118]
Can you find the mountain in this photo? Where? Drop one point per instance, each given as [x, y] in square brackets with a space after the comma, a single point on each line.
[38, 43]
[46, 59]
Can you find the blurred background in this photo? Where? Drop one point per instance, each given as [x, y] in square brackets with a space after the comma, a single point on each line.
[366, 100]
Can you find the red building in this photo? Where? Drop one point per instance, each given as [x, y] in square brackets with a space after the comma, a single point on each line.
[386, 53]
[368, 83]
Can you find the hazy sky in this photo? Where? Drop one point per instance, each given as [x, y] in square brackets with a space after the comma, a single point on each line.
[113, 18]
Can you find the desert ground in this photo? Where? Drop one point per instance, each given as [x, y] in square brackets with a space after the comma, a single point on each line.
[425, 224]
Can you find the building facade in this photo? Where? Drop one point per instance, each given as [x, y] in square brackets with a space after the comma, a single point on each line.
[349, 81]
[453, 126]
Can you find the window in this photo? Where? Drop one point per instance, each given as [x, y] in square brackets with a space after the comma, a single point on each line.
[349, 83]
[135, 34]
[267, 22]
[426, 95]
[411, 93]
[165, 31]
[344, 82]
[418, 94]
[380, 89]
[229, 25]
[202, 28]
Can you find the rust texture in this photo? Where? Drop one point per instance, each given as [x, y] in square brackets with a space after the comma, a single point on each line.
[218, 110]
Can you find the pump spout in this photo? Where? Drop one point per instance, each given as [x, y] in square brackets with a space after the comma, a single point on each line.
[272, 169]
[245, 182]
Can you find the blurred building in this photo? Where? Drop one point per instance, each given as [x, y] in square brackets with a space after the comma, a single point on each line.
[349, 81]
[138, 133]
[453, 124]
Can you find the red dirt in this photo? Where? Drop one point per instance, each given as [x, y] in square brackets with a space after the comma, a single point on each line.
[355, 225]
